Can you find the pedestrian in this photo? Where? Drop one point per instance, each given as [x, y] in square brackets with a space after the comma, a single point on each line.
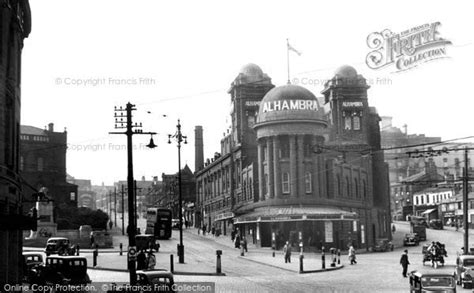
[141, 260]
[204, 230]
[92, 239]
[457, 225]
[287, 252]
[352, 255]
[151, 260]
[237, 241]
[213, 231]
[110, 225]
[244, 243]
[404, 262]
[393, 228]
[232, 235]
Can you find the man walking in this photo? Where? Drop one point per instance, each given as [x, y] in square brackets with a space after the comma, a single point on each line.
[404, 262]
[287, 252]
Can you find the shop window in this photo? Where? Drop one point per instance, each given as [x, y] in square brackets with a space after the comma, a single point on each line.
[285, 182]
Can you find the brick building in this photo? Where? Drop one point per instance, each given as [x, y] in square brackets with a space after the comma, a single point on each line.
[15, 25]
[292, 169]
[43, 164]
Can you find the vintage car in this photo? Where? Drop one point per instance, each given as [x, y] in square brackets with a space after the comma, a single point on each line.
[411, 239]
[146, 242]
[464, 273]
[160, 279]
[382, 245]
[64, 270]
[30, 261]
[431, 282]
[59, 245]
[436, 224]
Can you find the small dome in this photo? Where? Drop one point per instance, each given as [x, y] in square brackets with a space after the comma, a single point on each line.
[346, 71]
[251, 70]
[289, 102]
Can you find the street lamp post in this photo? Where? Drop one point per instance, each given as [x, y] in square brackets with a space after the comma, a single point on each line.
[179, 138]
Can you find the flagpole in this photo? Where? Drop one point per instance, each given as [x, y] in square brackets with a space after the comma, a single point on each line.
[288, 58]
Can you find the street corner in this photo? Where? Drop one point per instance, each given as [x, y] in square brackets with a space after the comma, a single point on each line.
[337, 267]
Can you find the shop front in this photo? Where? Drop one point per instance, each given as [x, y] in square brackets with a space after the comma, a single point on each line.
[311, 227]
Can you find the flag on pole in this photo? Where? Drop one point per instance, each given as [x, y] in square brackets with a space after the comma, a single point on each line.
[290, 48]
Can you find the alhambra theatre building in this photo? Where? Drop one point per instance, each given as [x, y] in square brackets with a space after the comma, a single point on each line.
[319, 174]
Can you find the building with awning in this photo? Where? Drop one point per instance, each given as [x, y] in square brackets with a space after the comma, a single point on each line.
[296, 168]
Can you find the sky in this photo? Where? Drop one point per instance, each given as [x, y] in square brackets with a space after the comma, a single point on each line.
[176, 60]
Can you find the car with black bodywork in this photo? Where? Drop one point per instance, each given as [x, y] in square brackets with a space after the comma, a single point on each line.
[63, 270]
[60, 246]
[436, 224]
[30, 261]
[411, 239]
[382, 245]
[146, 242]
[158, 280]
[464, 273]
[431, 282]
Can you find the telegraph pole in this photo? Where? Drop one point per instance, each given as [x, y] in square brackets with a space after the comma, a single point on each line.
[129, 132]
[115, 206]
[465, 187]
[179, 138]
[123, 211]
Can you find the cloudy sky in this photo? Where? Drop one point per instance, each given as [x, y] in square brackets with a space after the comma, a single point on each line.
[178, 58]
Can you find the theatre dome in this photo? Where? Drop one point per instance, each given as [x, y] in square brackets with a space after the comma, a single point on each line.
[346, 71]
[290, 103]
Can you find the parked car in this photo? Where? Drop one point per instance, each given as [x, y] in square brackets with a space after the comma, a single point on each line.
[463, 272]
[411, 239]
[436, 224]
[30, 261]
[63, 270]
[431, 282]
[382, 245]
[59, 245]
[160, 279]
[147, 241]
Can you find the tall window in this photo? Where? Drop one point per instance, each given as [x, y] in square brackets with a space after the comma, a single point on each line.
[40, 164]
[352, 119]
[364, 189]
[339, 185]
[285, 182]
[265, 184]
[284, 147]
[356, 187]
[307, 182]
[348, 187]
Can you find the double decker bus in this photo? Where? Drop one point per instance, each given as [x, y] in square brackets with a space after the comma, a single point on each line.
[158, 222]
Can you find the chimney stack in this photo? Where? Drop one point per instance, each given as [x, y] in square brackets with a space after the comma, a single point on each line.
[198, 149]
[51, 127]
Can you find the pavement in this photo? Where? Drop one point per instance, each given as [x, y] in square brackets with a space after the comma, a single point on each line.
[197, 263]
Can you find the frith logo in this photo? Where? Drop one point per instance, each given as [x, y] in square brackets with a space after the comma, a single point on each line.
[290, 105]
[407, 49]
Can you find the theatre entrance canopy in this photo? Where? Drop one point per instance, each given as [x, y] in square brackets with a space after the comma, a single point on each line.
[290, 214]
